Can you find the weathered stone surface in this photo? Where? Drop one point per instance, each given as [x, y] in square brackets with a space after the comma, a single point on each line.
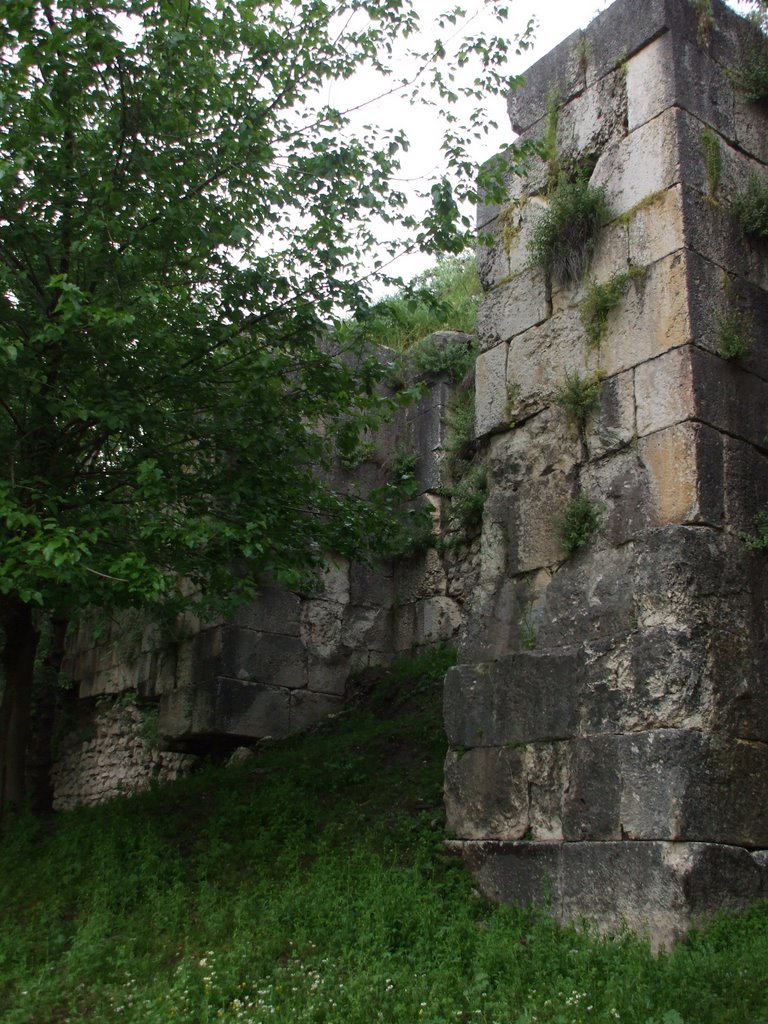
[713, 232]
[717, 297]
[542, 359]
[671, 71]
[276, 610]
[258, 657]
[620, 488]
[657, 889]
[512, 307]
[613, 426]
[491, 404]
[684, 463]
[562, 69]
[627, 174]
[531, 473]
[517, 699]
[656, 229]
[486, 794]
[590, 596]
[593, 118]
[420, 577]
[505, 234]
[750, 119]
[651, 318]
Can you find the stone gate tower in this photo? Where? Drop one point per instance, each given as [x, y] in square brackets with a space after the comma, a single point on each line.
[608, 719]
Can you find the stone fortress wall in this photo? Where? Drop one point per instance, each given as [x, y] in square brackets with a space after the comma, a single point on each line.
[608, 718]
[149, 701]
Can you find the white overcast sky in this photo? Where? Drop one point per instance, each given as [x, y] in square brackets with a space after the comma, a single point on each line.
[556, 19]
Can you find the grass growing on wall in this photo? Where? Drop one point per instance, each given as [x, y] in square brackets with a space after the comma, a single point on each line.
[311, 886]
[444, 298]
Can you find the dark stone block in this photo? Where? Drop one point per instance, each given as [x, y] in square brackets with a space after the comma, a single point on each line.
[486, 793]
[522, 698]
[275, 610]
[729, 398]
[591, 804]
[658, 890]
[589, 597]
[224, 710]
[263, 657]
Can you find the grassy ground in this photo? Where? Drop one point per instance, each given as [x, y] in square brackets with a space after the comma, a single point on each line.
[310, 885]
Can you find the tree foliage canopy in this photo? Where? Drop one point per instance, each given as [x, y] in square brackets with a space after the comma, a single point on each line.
[183, 225]
[181, 219]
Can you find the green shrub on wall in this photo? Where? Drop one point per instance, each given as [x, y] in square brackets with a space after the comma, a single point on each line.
[563, 241]
[751, 209]
[578, 524]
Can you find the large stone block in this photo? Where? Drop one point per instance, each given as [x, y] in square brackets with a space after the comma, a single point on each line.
[591, 596]
[684, 464]
[506, 792]
[491, 402]
[671, 785]
[651, 318]
[659, 890]
[673, 72]
[504, 238]
[717, 299]
[613, 424]
[486, 794]
[561, 69]
[275, 610]
[263, 657]
[541, 360]
[656, 228]
[643, 163]
[512, 307]
[712, 231]
[224, 710]
[521, 698]
[593, 118]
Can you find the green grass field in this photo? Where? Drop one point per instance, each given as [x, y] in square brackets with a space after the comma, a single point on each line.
[311, 885]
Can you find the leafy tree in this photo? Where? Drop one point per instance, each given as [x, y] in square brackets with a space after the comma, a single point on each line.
[182, 220]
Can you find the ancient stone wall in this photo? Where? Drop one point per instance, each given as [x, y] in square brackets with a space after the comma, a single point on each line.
[283, 663]
[608, 721]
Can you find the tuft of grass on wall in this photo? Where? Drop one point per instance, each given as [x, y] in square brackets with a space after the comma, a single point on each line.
[579, 397]
[564, 238]
[751, 73]
[713, 160]
[733, 335]
[601, 299]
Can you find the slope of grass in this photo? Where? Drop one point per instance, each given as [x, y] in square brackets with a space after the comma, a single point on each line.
[310, 886]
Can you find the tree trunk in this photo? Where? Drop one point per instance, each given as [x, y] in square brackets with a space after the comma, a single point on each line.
[19, 645]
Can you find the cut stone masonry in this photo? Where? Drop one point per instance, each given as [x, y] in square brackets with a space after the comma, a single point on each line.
[608, 720]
